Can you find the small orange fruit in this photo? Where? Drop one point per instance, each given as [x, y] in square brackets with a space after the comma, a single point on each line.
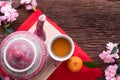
[74, 64]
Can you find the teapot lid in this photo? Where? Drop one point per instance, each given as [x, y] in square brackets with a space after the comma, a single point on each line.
[21, 52]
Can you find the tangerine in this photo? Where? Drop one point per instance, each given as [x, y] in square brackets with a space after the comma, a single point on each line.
[74, 64]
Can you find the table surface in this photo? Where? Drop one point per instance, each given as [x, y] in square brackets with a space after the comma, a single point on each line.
[90, 23]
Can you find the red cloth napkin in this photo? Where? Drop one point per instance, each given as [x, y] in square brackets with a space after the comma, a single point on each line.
[62, 73]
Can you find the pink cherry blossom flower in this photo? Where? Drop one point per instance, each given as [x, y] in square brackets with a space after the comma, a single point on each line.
[110, 72]
[25, 1]
[106, 57]
[34, 3]
[29, 4]
[3, 3]
[111, 45]
[9, 13]
[6, 8]
[115, 56]
[28, 7]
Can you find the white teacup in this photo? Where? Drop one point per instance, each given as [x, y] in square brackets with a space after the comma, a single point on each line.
[61, 47]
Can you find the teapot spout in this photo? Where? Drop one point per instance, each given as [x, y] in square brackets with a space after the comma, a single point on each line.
[39, 28]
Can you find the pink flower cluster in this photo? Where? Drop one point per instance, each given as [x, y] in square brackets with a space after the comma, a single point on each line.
[110, 56]
[110, 72]
[29, 4]
[8, 13]
[106, 56]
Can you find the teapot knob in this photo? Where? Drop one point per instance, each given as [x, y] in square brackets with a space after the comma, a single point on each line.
[16, 54]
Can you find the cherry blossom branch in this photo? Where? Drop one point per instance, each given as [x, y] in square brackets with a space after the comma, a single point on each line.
[9, 14]
[110, 56]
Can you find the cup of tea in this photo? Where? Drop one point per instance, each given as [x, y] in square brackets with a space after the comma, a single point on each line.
[61, 47]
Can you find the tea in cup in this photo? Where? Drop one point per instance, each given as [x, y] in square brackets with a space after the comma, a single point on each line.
[61, 47]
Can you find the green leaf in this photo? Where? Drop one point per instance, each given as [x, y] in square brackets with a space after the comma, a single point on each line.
[114, 50]
[118, 70]
[6, 33]
[90, 64]
[118, 45]
[8, 30]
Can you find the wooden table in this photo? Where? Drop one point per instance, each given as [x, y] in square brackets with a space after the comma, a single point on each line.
[91, 23]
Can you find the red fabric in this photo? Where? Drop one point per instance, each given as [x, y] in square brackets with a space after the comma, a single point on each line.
[2, 73]
[62, 73]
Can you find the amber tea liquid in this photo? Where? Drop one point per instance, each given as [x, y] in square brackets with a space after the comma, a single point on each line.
[61, 47]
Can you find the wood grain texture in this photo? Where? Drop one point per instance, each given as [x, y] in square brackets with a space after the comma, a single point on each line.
[91, 23]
